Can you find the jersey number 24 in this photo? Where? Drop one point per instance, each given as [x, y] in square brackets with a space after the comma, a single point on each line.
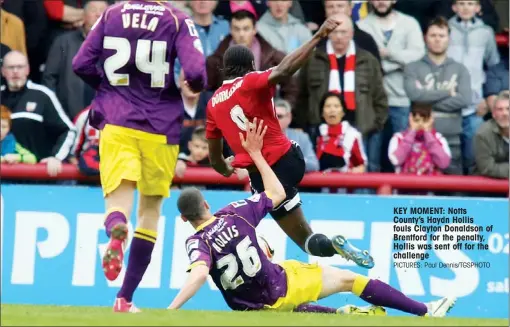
[157, 68]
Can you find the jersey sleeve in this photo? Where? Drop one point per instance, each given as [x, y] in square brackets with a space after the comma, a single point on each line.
[199, 253]
[257, 80]
[211, 129]
[191, 54]
[254, 208]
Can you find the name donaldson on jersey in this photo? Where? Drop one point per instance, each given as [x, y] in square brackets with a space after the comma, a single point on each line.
[225, 95]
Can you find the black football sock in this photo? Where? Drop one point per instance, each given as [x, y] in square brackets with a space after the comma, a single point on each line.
[319, 245]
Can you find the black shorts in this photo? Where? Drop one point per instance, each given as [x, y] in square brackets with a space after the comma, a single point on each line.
[290, 170]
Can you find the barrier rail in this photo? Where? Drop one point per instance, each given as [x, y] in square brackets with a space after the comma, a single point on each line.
[383, 182]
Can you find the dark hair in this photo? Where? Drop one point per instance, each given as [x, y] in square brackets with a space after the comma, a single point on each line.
[199, 132]
[243, 14]
[237, 62]
[191, 204]
[328, 95]
[440, 22]
[421, 109]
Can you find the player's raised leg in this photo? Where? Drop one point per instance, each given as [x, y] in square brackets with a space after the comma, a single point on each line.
[294, 224]
[120, 169]
[375, 292]
[158, 166]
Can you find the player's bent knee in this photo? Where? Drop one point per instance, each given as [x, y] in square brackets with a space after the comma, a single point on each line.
[335, 280]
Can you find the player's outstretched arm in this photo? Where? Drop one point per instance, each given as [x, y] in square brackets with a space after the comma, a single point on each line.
[253, 145]
[197, 277]
[296, 59]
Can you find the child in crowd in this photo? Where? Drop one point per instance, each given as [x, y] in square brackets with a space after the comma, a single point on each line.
[198, 153]
[12, 151]
[86, 147]
[419, 150]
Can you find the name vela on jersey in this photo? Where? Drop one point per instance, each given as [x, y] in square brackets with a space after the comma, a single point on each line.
[135, 21]
[226, 94]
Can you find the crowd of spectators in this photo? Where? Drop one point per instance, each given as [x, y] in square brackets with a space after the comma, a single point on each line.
[409, 86]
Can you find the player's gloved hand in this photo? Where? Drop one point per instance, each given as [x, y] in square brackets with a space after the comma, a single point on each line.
[329, 26]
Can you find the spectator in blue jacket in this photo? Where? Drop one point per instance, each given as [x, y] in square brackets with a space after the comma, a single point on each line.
[284, 114]
[496, 80]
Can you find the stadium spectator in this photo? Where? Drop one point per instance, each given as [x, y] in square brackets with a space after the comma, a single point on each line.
[284, 113]
[473, 44]
[420, 150]
[491, 141]
[225, 9]
[422, 10]
[182, 5]
[243, 31]
[12, 151]
[444, 83]
[38, 120]
[71, 91]
[198, 152]
[361, 38]
[283, 31]
[400, 41]
[34, 17]
[64, 15]
[496, 81]
[211, 29]
[194, 112]
[343, 67]
[85, 152]
[487, 12]
[339, 145]
[12, 32]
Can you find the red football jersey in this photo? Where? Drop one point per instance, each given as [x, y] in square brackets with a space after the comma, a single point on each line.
[238, 101]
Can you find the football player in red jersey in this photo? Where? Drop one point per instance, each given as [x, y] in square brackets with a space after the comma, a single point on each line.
[247, 94]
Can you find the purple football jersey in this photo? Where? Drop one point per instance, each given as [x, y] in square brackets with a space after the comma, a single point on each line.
[228, 246]
[129, 57]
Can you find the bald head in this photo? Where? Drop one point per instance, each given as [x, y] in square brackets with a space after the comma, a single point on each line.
[15, 57]
[15, 70]
[342, 36]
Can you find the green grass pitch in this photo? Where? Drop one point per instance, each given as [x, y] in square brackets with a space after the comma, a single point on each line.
[28, 315]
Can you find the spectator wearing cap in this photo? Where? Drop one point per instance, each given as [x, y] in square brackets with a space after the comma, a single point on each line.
[71, 91]
[400, 42]
[492, 141]
[38, 121]
[243, 31]
[283, 31]
[342, 67]
[284, 114]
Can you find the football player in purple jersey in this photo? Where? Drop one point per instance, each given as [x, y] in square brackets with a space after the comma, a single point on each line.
[225, 246]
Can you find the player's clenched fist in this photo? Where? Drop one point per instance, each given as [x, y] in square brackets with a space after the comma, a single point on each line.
[329, 26]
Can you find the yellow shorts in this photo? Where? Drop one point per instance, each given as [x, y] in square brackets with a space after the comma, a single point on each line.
[304, 285]
[136, 156]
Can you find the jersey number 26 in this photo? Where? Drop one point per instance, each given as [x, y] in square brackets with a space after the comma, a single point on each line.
[250, 261]
[158, 68]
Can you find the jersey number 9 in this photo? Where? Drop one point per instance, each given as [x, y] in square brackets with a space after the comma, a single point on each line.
[250, 261]
[146, 50]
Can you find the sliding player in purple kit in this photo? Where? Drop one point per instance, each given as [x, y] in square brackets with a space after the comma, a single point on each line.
[225, 246]
[128, 57]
